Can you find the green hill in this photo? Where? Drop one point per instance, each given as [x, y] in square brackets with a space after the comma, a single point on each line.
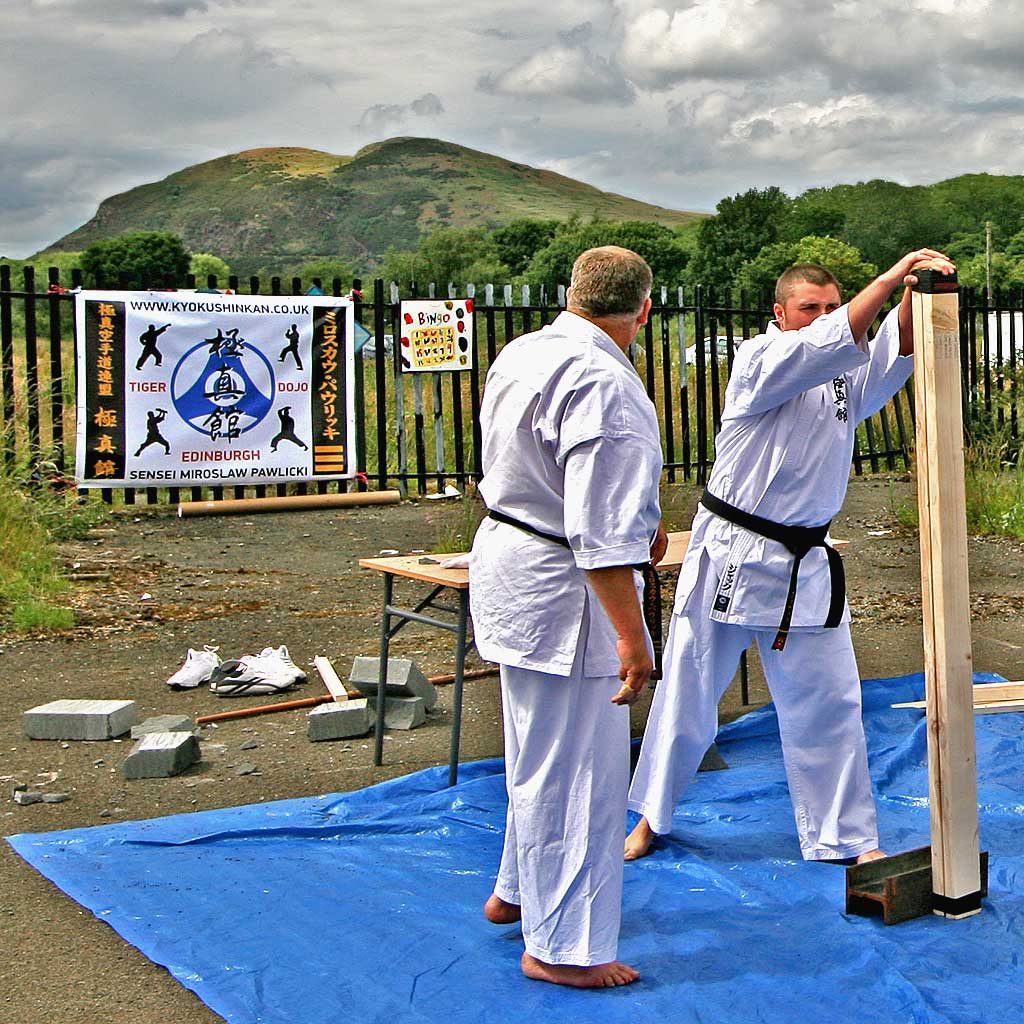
[275, 206]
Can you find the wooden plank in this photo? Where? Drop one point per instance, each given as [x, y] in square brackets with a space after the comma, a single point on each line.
[984, 693]
[330, 677]
[945, 596]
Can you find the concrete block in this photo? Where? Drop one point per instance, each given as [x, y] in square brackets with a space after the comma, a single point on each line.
[79, 719]
[161, 755]
[163, 723]
[404, 712]
[404, 679]
[340, 721]
[28, 796]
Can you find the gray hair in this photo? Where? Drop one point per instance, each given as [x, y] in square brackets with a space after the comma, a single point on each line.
[609, 281]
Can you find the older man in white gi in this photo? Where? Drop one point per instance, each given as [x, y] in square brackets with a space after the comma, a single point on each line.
[758, 566]
[572, 461]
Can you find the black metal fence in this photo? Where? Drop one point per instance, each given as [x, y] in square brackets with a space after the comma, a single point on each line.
[420, 432]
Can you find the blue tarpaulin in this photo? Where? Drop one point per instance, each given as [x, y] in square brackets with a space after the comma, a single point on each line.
[366, 906]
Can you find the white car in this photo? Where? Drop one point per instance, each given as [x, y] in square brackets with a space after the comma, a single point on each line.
[722, 349]
[369, 348]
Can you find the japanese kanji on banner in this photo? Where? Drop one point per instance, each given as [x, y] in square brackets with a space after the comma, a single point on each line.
[437, 334]
[182, 388]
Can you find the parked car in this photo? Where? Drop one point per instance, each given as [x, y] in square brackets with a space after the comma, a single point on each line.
[722, 349]
[369, 348]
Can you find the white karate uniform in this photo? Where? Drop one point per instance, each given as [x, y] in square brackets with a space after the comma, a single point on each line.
[571, 446]
[792, 405]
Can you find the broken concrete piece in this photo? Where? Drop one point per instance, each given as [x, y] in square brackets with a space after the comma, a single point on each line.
[161, 755]
[28, 796]
[340, 721]
[163, 723]
[55, 798]
[404, 712]
[79, 719]
[404, 679]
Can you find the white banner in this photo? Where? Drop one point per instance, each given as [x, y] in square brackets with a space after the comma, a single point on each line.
[199, 389]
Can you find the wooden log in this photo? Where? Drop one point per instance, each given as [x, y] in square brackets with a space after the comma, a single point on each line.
[945, 592]
[286, 503]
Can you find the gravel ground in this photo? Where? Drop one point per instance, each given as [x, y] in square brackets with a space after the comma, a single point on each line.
[150, 585]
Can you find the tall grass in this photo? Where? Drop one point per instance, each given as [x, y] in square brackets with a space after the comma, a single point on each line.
[33, 519]
[993, 471]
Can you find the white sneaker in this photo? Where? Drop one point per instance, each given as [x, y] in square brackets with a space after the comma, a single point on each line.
[280, 654]
[250, 675]
[197, 669]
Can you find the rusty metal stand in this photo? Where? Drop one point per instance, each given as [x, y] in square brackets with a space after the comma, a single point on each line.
[899, 888]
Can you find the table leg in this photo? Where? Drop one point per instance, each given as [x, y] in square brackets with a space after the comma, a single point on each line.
[385, 644]
[460, 661]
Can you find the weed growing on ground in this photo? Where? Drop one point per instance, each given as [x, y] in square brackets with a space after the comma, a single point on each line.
[33, 518]
[457, 526]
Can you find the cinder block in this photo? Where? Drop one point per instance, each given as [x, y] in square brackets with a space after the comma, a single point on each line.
[340, 721]
[161, 755]
[404, 712]
[163, 723]
[79, 719]
[404, 679]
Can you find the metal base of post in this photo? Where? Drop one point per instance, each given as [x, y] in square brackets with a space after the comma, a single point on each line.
[899, 888]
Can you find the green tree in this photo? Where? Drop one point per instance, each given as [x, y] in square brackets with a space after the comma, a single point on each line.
[326, 268]
[518, 241]
[758, 276]
[965, 244]
[664, 251]
[1007, 272]
[811, 216]
[447, 255]
[203, 264]
[743, 225]
[143, 255]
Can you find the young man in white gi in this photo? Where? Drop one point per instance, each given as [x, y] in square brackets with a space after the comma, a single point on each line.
[572, 461]
[758, 567]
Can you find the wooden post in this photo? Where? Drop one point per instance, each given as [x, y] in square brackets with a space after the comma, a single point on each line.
[952, 777]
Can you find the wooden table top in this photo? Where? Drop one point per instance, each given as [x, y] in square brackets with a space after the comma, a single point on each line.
[411, 566]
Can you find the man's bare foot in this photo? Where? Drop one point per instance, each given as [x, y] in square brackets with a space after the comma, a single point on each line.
[497, 911]
[598, 976]
[638, 842]
[871, 855]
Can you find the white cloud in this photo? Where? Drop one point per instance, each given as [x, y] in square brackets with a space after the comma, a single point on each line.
[675, 101]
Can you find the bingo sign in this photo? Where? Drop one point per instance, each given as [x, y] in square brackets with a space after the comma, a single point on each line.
[437, 334]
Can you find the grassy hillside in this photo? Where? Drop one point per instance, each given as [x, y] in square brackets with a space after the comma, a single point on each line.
[268, 206]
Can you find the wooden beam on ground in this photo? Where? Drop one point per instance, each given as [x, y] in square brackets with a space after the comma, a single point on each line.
[952, 774]
[995, 696]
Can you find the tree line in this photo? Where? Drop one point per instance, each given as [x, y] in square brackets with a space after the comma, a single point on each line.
[855, 230]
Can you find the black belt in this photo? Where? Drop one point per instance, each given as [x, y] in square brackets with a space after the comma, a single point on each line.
[652, 584]
[798, 540]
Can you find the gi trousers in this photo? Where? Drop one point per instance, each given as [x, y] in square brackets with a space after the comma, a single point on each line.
[815, 685]
[567, 772]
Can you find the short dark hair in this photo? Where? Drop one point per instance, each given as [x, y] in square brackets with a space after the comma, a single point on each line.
[610, 281]
[809, 272]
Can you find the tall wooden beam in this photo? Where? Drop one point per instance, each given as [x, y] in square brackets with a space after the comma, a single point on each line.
[952, 774]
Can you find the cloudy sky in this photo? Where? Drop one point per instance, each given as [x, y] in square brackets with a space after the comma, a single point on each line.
[673, 102]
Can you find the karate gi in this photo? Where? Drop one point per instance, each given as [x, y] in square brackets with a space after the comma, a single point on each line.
[783, 453]
[571, 446]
